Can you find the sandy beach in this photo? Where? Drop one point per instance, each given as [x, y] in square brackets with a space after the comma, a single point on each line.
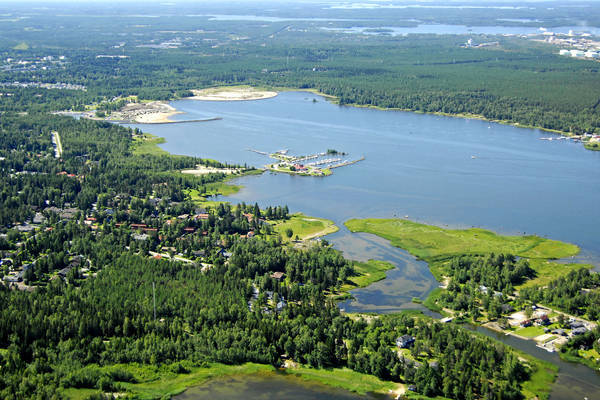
[232, 94]
[203, 170]
[149, 113]
[156, 117]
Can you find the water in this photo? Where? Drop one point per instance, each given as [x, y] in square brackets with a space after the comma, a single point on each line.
[434, 169]
[575, 381]
[266, 387]
[410, 278]
[440, 170]
[265, 18]
[444, 29]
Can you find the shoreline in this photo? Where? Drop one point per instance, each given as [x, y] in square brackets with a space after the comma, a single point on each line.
[336, 378]
[204, 170]
[335, 100]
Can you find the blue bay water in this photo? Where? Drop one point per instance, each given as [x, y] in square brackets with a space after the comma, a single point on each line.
[439, 170]
[435, 169]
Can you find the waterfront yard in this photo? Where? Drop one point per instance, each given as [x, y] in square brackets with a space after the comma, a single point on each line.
[303, 227]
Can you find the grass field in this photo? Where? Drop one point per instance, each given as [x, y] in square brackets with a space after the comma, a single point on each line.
[148, 144]
[305, 227]
[548, 271]
[369, 272]
[543, 375]
[430, 242]
[212, 189]
[345, 378]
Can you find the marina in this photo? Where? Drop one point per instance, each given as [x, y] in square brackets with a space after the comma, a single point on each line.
[322, 165]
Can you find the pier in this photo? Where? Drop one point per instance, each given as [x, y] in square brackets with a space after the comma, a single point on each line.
[296, 164]
[169, 122]
[264, 153]
[342, 164]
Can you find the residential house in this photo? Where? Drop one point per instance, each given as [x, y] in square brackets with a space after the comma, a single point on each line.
[543, 320]
[277, 275]
[140, 236]
[579, 331]
[405, 341]
[38, 218]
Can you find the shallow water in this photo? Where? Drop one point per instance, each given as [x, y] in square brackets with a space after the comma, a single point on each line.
[266, 387]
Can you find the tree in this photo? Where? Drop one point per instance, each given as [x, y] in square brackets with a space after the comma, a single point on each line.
[289, 233]
[528, 311]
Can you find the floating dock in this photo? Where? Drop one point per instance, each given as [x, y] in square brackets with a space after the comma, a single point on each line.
[344, 163]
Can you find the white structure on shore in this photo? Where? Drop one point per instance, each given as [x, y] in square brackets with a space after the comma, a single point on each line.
[580, 53]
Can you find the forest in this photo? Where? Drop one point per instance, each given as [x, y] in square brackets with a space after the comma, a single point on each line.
[107, 261]
[519, 81]
[112, 222]
[576, 293]
[483, 282]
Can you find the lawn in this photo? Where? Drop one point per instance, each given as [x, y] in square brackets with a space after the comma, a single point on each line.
[305, 227]
[430, 242]
[530, 331]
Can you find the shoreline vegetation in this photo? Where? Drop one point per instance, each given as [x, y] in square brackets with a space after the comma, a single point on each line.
[430, 242]
[132, 111]
[594, 146]
[163, 382]
[439, 247]
[367, 272]
[160, 112]
[436, 245]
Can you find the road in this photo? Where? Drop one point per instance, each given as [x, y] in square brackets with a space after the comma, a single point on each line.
[58, 149]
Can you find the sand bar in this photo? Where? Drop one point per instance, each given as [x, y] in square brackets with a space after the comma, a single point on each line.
[235, 93]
